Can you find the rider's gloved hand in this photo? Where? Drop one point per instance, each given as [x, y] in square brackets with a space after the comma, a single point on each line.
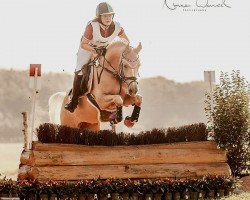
[101, 51]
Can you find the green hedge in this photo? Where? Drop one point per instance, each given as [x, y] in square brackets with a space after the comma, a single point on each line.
[160, 187]
[50, 133]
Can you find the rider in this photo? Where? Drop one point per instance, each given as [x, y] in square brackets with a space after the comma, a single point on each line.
[99, 32]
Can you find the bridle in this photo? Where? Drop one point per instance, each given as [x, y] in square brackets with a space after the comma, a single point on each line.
[118, 74]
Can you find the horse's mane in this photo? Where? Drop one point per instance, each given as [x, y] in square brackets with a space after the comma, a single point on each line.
[117, 43]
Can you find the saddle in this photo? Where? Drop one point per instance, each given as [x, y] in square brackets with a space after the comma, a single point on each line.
[87, 81]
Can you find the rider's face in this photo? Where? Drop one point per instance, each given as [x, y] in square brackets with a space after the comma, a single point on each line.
[107, 19]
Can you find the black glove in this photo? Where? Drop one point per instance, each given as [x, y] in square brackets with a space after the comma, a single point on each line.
[101, 51]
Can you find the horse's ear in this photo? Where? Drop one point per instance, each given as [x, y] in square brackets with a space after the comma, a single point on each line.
[138, 48]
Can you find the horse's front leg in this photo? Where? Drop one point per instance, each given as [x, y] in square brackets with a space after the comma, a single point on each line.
[110, 102]
[136, 101]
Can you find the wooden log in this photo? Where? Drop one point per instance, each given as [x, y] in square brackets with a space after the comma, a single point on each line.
[23, 172]
[125, 155]
[27, 158]
[37, 146]
[128, 171]
[25, 130]
[75, 162]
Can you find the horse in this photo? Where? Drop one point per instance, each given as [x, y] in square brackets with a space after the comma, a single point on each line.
[114, 85]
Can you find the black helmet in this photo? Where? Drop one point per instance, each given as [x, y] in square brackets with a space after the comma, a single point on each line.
[104, 8]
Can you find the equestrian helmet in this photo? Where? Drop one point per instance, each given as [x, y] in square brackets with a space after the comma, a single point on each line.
[104, 8]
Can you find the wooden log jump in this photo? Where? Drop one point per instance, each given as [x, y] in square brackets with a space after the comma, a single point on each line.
[76, 162]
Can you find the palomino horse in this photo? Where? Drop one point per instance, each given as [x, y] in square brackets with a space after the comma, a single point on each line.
[114, 86]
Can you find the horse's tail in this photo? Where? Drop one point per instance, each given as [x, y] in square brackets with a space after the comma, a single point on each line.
[55, 105]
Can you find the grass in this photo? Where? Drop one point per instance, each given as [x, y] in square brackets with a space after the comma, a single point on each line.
[243, 196]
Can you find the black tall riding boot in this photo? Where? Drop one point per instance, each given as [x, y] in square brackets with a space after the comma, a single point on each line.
[71, 106]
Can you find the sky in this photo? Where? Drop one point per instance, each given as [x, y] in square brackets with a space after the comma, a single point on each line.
[177, 44]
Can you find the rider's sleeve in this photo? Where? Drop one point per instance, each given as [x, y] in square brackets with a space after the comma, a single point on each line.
[88, 33]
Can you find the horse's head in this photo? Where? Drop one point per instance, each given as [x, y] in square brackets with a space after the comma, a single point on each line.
[125, 61]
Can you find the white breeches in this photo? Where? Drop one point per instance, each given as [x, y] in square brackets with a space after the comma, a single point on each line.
[83, 57]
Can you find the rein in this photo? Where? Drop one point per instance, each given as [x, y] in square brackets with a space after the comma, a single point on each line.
[119, 75]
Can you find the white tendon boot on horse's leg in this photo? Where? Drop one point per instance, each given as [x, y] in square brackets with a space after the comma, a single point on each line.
[55, 106]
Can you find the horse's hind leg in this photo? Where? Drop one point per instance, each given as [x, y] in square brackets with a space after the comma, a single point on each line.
[92, 127]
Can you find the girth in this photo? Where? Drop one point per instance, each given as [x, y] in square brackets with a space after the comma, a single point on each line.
[104, 114]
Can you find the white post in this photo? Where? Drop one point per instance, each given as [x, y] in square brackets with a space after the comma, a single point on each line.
[209, 76]
[33, 108]
[35, 73]
[210, 82]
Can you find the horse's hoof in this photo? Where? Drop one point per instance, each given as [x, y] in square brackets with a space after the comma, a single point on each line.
[128, 122]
